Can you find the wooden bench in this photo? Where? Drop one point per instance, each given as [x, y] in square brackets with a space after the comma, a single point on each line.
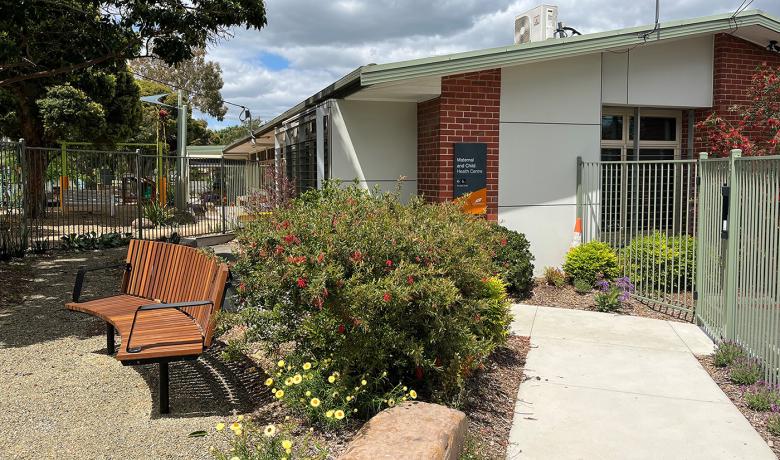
[165, 312]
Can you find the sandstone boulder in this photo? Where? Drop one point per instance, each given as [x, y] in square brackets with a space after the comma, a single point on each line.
[412, 430]
[142, 223]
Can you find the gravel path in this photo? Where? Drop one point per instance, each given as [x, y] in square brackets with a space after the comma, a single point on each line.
[62, 397]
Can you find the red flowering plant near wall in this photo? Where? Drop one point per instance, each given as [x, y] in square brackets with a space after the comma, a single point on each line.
[757, 127]
[375, 286]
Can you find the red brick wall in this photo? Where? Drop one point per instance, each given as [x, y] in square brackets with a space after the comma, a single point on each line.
[466, 111]
[735, 62]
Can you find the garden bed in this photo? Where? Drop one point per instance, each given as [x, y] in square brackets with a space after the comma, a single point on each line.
[758, 419]
[566, 297]
[489, 402]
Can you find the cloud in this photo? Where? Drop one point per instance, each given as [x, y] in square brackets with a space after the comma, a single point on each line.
[308, 44]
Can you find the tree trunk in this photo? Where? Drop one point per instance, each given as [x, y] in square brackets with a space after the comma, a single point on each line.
[35, 161]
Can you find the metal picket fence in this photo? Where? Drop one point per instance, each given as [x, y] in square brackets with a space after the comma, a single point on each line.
[739, 263]
[645, 210]
[125, 193]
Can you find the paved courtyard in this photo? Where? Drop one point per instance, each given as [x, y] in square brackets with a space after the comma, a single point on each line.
[604, 386]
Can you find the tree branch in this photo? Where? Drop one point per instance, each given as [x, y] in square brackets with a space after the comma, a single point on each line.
[65, 69]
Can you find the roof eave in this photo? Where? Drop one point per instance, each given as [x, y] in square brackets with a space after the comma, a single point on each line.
[556, 49]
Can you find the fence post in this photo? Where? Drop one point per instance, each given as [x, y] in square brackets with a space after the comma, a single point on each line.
[139, 194]
[733, 223]
[579, 187]
[26, 235]
[697, 282]
[222, 197]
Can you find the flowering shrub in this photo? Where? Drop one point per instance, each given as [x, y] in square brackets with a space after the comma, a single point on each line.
[514, 261]
[757, 131]
[745, 371]
[612, 295]
[375, 285]
[727, 352]
[773, 422]
[659, 261]
[762, 396]
[249, 441]
[325, 396]
[590, 261]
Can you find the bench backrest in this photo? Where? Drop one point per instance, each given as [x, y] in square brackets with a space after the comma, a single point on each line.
[173, 273]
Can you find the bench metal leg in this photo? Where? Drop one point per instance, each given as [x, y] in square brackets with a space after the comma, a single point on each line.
[164, 409]
[110, 339]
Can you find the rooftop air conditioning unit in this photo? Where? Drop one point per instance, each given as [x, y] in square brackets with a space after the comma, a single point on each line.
[536, 25]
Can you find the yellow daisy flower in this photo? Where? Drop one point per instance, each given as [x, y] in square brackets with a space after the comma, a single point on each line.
[235, 426]
[288, 381]
[287, 444]
[339, 414]
[405, 388]
[391, 402]
[240, 418]
[315, 402]
[349, 398]
[363, 382]
[279, 394]
[269, 431]
[332, 378]
[306, 366]
[308, 393]
[280, 363]
[220, 426]
[269, 381]
[237, 432]
[413, 394]
[297, 379]
[329, 413]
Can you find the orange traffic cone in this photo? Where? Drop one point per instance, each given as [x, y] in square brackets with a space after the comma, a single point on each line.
[577, 238]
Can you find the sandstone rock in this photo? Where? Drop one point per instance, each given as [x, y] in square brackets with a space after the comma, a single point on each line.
[412, 430]
[144, 222]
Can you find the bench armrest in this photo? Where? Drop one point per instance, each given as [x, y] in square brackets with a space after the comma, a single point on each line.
[162, 306]
[83, 272]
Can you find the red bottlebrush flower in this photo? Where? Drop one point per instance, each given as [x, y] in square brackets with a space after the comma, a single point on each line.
[291, 239]
[503, 242]
[297, 260]
[279, 249]
[253, 245]
[318, 302]
[242, 287]
[387, 297]
[325, 293]
[263, 253]
[410, 279]
[163, 113]
[417, 259]
[357, 256]
[286, 224]
[419, 373]
[320, 257]
[477, 317]
[389, 263]
[301, 283]
[342, 329]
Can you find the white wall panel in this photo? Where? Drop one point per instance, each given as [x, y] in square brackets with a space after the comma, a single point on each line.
[375, 142]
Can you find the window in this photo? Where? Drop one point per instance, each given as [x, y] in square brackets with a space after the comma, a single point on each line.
[635, 192]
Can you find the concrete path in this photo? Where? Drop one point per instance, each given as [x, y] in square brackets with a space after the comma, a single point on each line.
[605, 386]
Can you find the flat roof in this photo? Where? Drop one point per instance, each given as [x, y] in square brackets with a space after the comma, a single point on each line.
[491, 58]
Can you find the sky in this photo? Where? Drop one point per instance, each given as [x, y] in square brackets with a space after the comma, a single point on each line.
[309, 44]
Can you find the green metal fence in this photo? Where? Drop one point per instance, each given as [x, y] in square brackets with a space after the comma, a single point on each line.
[645, 210]
[739, 247]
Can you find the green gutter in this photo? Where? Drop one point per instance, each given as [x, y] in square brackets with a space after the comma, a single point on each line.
[559, 48]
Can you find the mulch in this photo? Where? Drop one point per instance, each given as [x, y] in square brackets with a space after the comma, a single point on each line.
[566, 297]
[490, 397]
[758, 419]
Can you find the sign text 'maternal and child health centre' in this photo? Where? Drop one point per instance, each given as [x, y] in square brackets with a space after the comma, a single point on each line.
[470, 176]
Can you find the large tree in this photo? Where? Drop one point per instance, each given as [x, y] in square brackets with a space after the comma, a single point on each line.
[46, 44]
[200, 79]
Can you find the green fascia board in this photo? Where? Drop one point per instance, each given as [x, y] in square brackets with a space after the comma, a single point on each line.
[559, 48]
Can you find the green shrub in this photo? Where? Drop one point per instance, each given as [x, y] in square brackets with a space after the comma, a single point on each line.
[582, 287]
[611, 296]
[660, 262]
[762, 397]
[590, 261]
[91, 240]
[554, 276]
[514, 261]
[726, 353]
[234, 350]
[376, 285]
[158, 214]
[745, 371]
[773, 423]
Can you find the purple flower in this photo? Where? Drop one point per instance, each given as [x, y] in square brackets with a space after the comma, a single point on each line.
[603, 285]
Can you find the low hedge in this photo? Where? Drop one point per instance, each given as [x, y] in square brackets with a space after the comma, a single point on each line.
[660, 262]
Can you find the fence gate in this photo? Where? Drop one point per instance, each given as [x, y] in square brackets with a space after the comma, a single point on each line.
[739, 255]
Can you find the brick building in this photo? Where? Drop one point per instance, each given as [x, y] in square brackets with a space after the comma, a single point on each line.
[504, 126]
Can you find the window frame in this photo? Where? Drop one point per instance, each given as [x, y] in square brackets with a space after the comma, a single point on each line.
[626, 143]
